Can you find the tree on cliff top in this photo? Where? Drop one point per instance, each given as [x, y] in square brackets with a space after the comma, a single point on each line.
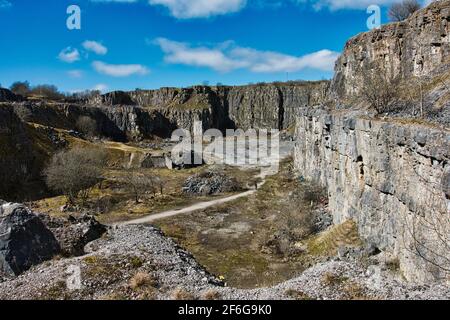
[403, 10]
[21, 88]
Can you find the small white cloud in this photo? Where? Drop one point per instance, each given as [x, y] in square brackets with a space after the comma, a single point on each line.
[5, 4]
[349, 4]
[228, 57]
[100, 87]
[118, 1]
[186, 9]
[119, 70]
[95, 47]
[75, 73]
[69, 55]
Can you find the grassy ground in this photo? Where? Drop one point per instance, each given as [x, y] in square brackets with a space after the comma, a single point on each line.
[231, 240]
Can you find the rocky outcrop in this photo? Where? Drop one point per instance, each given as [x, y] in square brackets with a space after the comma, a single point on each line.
[390, 177]
[416, 47]
[74, 233]
[24, 240]
[19, 163]
[255, 106]
[8, 96]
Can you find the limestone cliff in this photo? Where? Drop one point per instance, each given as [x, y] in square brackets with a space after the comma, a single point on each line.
[391, 175]
[392, 178]
[254, 106]
[418, 46]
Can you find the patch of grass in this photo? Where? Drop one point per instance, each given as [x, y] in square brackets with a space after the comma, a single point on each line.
[136, 261]
[211, 294]
[330, 279]
[354, 291]
[327, 243]
[297, 295]
[182, 294]
[57, 291]
[142, 280]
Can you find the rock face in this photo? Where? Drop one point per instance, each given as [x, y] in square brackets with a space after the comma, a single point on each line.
[74, 233]
[7, 96]
[24, 240]
[254, 106]
[19, 161]
[419, 46]
[392, 178]
[209, 183]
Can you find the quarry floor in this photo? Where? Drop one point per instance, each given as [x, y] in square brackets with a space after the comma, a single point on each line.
[214, 247]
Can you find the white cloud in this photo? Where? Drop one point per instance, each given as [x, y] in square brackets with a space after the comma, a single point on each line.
[95, 46]
[5, 4]
[75, 73]
[69, 55]
[181, 53]
[119, 70]
[186, 9]
[349, 4]
[118, 1]
[100, 87]
[227, 57]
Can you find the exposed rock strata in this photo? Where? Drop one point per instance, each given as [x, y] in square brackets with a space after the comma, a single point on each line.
[391, 177]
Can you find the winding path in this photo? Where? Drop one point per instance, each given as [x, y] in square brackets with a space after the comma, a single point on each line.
[285, 151]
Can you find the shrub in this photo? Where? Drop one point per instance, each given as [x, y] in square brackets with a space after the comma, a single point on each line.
[141, 280]
[211, 294]
[182, 294]
[379, 92]
[87, 125]
[138, 184]
[403, 10]
[21, 88]
[74, 172]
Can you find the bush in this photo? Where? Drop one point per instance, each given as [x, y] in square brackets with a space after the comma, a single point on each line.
[403, 10]
[379, 92]
[47, 91]
[74, 172]
[142, 279]
[21, 88]
[138, 184]
[87, 125]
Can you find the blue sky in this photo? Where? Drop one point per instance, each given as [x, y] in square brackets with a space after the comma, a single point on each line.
[128, 44]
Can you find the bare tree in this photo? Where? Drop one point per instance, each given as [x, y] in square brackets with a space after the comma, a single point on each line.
[87, 125]
[427, 232]
[74, 172]
[21, 88]
[139, 183]
[403, 10]
[378, 91]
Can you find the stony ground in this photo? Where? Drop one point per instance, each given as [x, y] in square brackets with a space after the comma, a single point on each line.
[139, 262]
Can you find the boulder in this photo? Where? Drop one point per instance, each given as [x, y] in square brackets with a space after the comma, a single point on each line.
[209, 183]
[74, 233]
[24, 239]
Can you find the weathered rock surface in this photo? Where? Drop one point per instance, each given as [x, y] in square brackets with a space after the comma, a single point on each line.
[391, 177]
[106, 273]
[417, 48]
[24, 240]
[208, 183]
[74, 233]
[8, 96]
[20, 160]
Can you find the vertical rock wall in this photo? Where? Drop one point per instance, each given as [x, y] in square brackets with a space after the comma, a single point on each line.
[392, 178]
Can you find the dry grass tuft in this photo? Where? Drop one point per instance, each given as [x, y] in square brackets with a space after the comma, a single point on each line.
[182, 294]
[211, 294]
